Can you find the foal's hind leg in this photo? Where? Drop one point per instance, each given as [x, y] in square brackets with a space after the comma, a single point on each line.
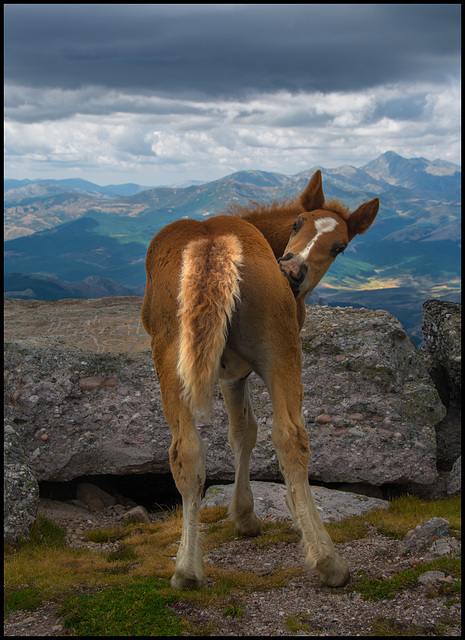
[291, 442]
[242, 438]
[187, 460]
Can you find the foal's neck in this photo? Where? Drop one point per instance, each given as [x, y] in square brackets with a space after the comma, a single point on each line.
[275, 225]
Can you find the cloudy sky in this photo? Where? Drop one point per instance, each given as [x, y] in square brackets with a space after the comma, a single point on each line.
[158, 94]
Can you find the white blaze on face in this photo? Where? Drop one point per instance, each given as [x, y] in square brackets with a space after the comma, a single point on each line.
[322, 225]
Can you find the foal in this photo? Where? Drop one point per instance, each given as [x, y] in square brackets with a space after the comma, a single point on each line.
[225, 297]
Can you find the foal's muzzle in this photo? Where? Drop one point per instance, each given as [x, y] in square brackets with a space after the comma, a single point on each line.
[294, 270]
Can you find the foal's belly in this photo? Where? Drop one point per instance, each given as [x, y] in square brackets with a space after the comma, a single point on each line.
[233, 366]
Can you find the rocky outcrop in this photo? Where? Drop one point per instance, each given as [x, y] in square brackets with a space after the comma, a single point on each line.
[20, 489]
[81, 413]
[370, 406]
[432, 534]
[454, 478]
[442, 329]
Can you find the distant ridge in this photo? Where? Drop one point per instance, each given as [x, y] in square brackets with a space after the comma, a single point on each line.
[416, 173]
[389, 168]
[18, 285]
[17, 190]
[88, 240]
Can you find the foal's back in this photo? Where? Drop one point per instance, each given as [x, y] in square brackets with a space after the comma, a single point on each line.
[189, 263]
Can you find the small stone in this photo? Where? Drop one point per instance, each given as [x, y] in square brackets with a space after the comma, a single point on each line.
[87, 492]
[95, 504]
[92, 382]
[423, 536]
[355, 432]
[16, 395]
[44, 437]
[385, 432]
[323, 418]
[446, 546]
[138, 514]
[431, 576]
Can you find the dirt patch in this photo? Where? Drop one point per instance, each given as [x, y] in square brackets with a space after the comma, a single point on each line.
[40, 622]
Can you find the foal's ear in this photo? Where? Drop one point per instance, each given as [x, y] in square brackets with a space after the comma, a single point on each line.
[361, 219]
[313, 198]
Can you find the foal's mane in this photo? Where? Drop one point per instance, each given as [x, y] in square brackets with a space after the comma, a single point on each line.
[336, 206]
[290, 207]
[254, 209]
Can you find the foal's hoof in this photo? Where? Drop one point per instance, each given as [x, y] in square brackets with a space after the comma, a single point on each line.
[250, 527]
[334, 572]
[181, 580]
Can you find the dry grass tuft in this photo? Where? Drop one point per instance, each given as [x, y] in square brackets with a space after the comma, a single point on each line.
[209, 515]
[404, 514]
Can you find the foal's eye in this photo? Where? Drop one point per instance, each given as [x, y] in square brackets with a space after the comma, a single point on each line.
[337, 249]
[297, 224]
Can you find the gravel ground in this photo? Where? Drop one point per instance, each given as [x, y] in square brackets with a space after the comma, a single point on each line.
[302, 607]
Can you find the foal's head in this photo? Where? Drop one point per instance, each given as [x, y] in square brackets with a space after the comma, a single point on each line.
[320, 233]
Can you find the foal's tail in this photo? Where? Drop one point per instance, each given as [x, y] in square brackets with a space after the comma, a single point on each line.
[209, 291]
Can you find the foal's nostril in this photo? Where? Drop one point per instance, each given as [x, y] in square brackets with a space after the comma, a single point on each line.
[294, 270]
[297, 275]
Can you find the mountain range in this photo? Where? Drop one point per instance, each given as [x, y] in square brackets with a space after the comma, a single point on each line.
[73, 238]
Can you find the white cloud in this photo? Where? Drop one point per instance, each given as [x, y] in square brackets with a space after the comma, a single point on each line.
[109, 136]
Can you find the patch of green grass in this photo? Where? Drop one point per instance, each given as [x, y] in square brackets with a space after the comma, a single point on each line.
[45, 533]
[386, 588]
[218, 533]
[235, 611]
[301, 624]
[274, 533]
[111, 534]
[45, 538]
[144, 608]
[407, 512]
[351, 529]
[382, 626]
[455, 588]
[25, 598]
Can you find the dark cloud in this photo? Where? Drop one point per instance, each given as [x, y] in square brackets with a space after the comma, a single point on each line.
[401, 108]
[157, 94]
[229, 50]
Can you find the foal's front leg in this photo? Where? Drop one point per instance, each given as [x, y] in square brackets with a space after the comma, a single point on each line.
[242, 438]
